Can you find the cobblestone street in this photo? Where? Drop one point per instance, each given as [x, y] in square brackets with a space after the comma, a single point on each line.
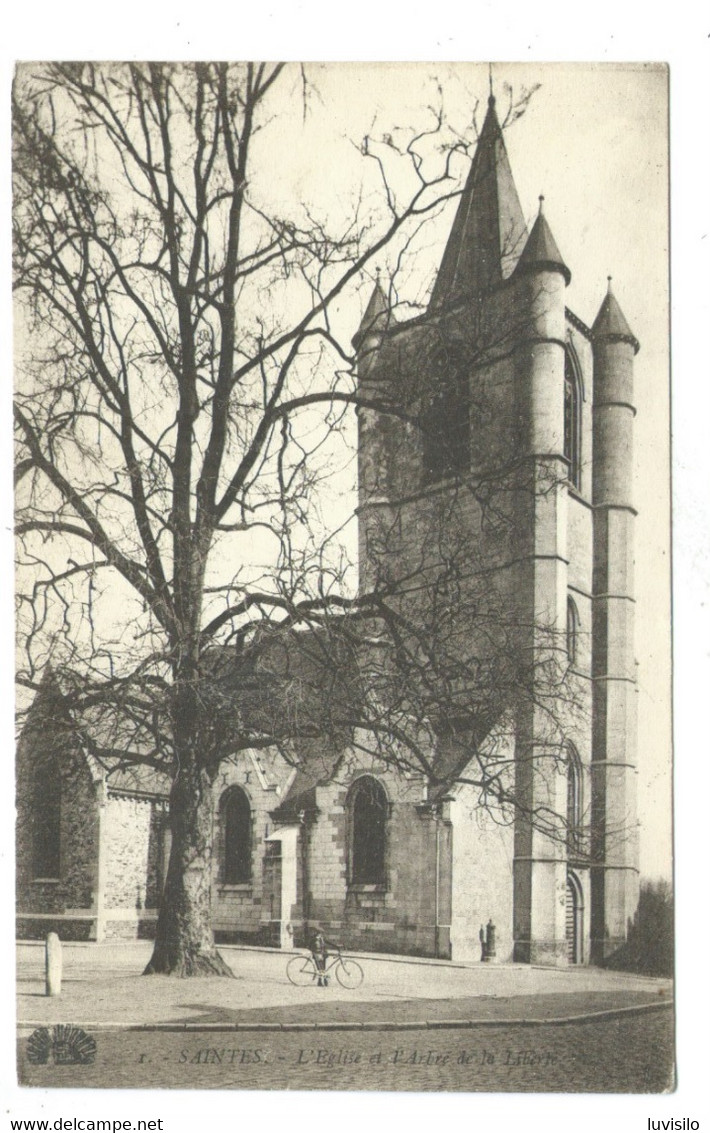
[632, 1054]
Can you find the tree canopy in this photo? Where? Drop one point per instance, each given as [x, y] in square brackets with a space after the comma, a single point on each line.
[184, 411]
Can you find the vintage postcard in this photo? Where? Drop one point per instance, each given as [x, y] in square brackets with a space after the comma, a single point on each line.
[343, 577]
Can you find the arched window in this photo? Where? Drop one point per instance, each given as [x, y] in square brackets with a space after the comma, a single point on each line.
[47, 822]
[368, 817]
[572, 631]
[572, 422]
[574, 801]
[236, 818]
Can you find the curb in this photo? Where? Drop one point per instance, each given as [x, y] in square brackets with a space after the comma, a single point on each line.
[384, 1025]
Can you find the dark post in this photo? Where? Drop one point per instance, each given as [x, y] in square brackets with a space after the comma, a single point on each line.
[490, 941]
[305, 876]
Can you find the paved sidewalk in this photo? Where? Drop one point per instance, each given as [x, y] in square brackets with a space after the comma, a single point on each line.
[103, 986]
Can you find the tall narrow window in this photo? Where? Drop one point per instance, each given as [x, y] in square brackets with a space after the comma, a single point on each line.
[47, 821]
[574, 801]
[445, 420]
[572, 631]
[368, 817]
[572, 423]
[236, 815]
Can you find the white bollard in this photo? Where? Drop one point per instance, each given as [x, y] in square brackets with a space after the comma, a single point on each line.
[53, 965]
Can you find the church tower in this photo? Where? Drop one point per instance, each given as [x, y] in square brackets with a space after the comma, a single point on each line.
[499, 496]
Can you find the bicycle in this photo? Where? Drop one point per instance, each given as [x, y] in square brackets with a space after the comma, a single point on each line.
[302, 971]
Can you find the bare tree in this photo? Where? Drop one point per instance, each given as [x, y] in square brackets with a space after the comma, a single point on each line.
[183, 403]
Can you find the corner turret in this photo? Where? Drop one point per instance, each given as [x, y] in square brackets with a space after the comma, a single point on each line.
[541, 252]
[374, 322]
[614, 877]
[614, 346]
[610, 324]
[542, 276]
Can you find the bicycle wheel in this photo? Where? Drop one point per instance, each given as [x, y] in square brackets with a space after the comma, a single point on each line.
[349, 973]
[301, 971]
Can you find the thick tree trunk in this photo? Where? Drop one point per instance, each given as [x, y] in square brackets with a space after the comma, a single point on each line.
[184, 944]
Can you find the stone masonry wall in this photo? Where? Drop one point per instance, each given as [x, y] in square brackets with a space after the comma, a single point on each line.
[482, 877]
[134, 864]
[127, 844]
[71, 896]
[396, 917]
[247, 912]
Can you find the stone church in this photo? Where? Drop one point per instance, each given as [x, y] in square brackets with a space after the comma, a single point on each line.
[495, 502]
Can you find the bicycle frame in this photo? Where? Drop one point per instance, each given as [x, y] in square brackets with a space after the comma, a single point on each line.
[331, 960]
[302, 969]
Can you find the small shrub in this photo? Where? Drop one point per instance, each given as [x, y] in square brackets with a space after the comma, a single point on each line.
[649, 948]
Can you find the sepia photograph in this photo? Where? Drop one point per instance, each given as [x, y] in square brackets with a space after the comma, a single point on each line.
[343, 596]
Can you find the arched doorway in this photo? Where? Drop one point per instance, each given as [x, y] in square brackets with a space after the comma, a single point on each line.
[574, 920]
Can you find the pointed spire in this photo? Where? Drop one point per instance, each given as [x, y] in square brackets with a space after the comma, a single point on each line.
[377, 317]
[611, 324]
[489, 229]
[541, 251]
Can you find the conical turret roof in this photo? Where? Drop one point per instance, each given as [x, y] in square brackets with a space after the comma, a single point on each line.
[489, 229]
[377, 315]
[611, 323]
[541, 251]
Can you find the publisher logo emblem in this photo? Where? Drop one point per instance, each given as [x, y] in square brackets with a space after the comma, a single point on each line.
[64, 1045]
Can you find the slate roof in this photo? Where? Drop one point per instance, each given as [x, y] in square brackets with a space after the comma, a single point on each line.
[101, 733]
[611, 324]
[302, 684]
[378, 316]
[319, 768]
[541, 251]
[489, 230]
